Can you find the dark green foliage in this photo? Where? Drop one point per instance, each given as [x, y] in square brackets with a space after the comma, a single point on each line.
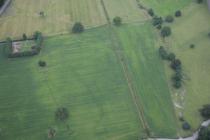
[2, 3]
[61, 114]
[163, 53]
[208, 34]
[169, 18]
[165, 31]
[176, 64]
[199, 1]
[157, 21]
[42, 63]
[186, 126]
[151, 12]
[24, 36]
[78, 28]
[192, 46]
[204, 134]
[178, 13]
[205, 111]
[171, 56]
[117, 21]
[159, 27]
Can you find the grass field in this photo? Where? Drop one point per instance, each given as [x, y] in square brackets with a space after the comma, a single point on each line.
[83, 75]
[165, 7]
[127, 9]
[23, 16]
[195, 61]
[147, 70]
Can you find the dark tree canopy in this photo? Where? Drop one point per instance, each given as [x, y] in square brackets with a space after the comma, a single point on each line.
[205, 111]
[204, 134]
[117, 21]
[151, 12]
[165, 31]
[78, 28]
[157, 21]
[169, 18]
[178, 13]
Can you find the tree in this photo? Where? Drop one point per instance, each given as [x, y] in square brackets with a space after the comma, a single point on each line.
[178, 13]
[78, 28]
[204, 134]
[169, 18]
[42, 14]
[24, 36]
[151, 12]
[42, 63]
[157, 21]
[51, 133]
[208, 34]
[186, 126]
[171, 56]
[117, 21]
[163, 53]
[205, 111]
[61, 114]
[165, 31]
[176, 64]
[199, 1]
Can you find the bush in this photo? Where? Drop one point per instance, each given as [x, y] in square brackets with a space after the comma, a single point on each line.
[159, 27]
[205, 111]
[42, 63]
[176, 65]
[178, 13]
[186, 126]
[204, 134]
[78, 28]
[151, 12]
[117, 21]
[61, 114]
[157, 21]
[165, 31]
[192, 46]
[24, 36]
[169, 18]
[171, 57]
[2, 3]
[163, 53]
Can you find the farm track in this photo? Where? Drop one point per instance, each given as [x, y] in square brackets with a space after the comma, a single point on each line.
[119, 54]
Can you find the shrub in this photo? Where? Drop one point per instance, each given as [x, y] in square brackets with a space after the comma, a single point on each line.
[178, 13]
[171, 56]
[78, 28]
[176, 64]
[186, 126]
[169, 18]
[42, 63]
[205, 111]
[117, 21]
[165, 31]
[204, 134]
[61, 114]
[24, 36]
[157, 21]
[163, 53]
[151, 12]
[192, 46]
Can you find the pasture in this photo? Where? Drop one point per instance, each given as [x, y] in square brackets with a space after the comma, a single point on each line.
[83, 75]
[195, 60]
[149, 79]
[23, 16]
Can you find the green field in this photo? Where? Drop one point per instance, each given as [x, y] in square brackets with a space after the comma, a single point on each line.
[82, 75]
[111, 79]
[23, 16]
[165, 7]
[127, 9]
[195, 61]
[147, 70]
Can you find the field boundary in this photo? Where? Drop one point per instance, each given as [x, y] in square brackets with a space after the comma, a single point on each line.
[128, 78]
